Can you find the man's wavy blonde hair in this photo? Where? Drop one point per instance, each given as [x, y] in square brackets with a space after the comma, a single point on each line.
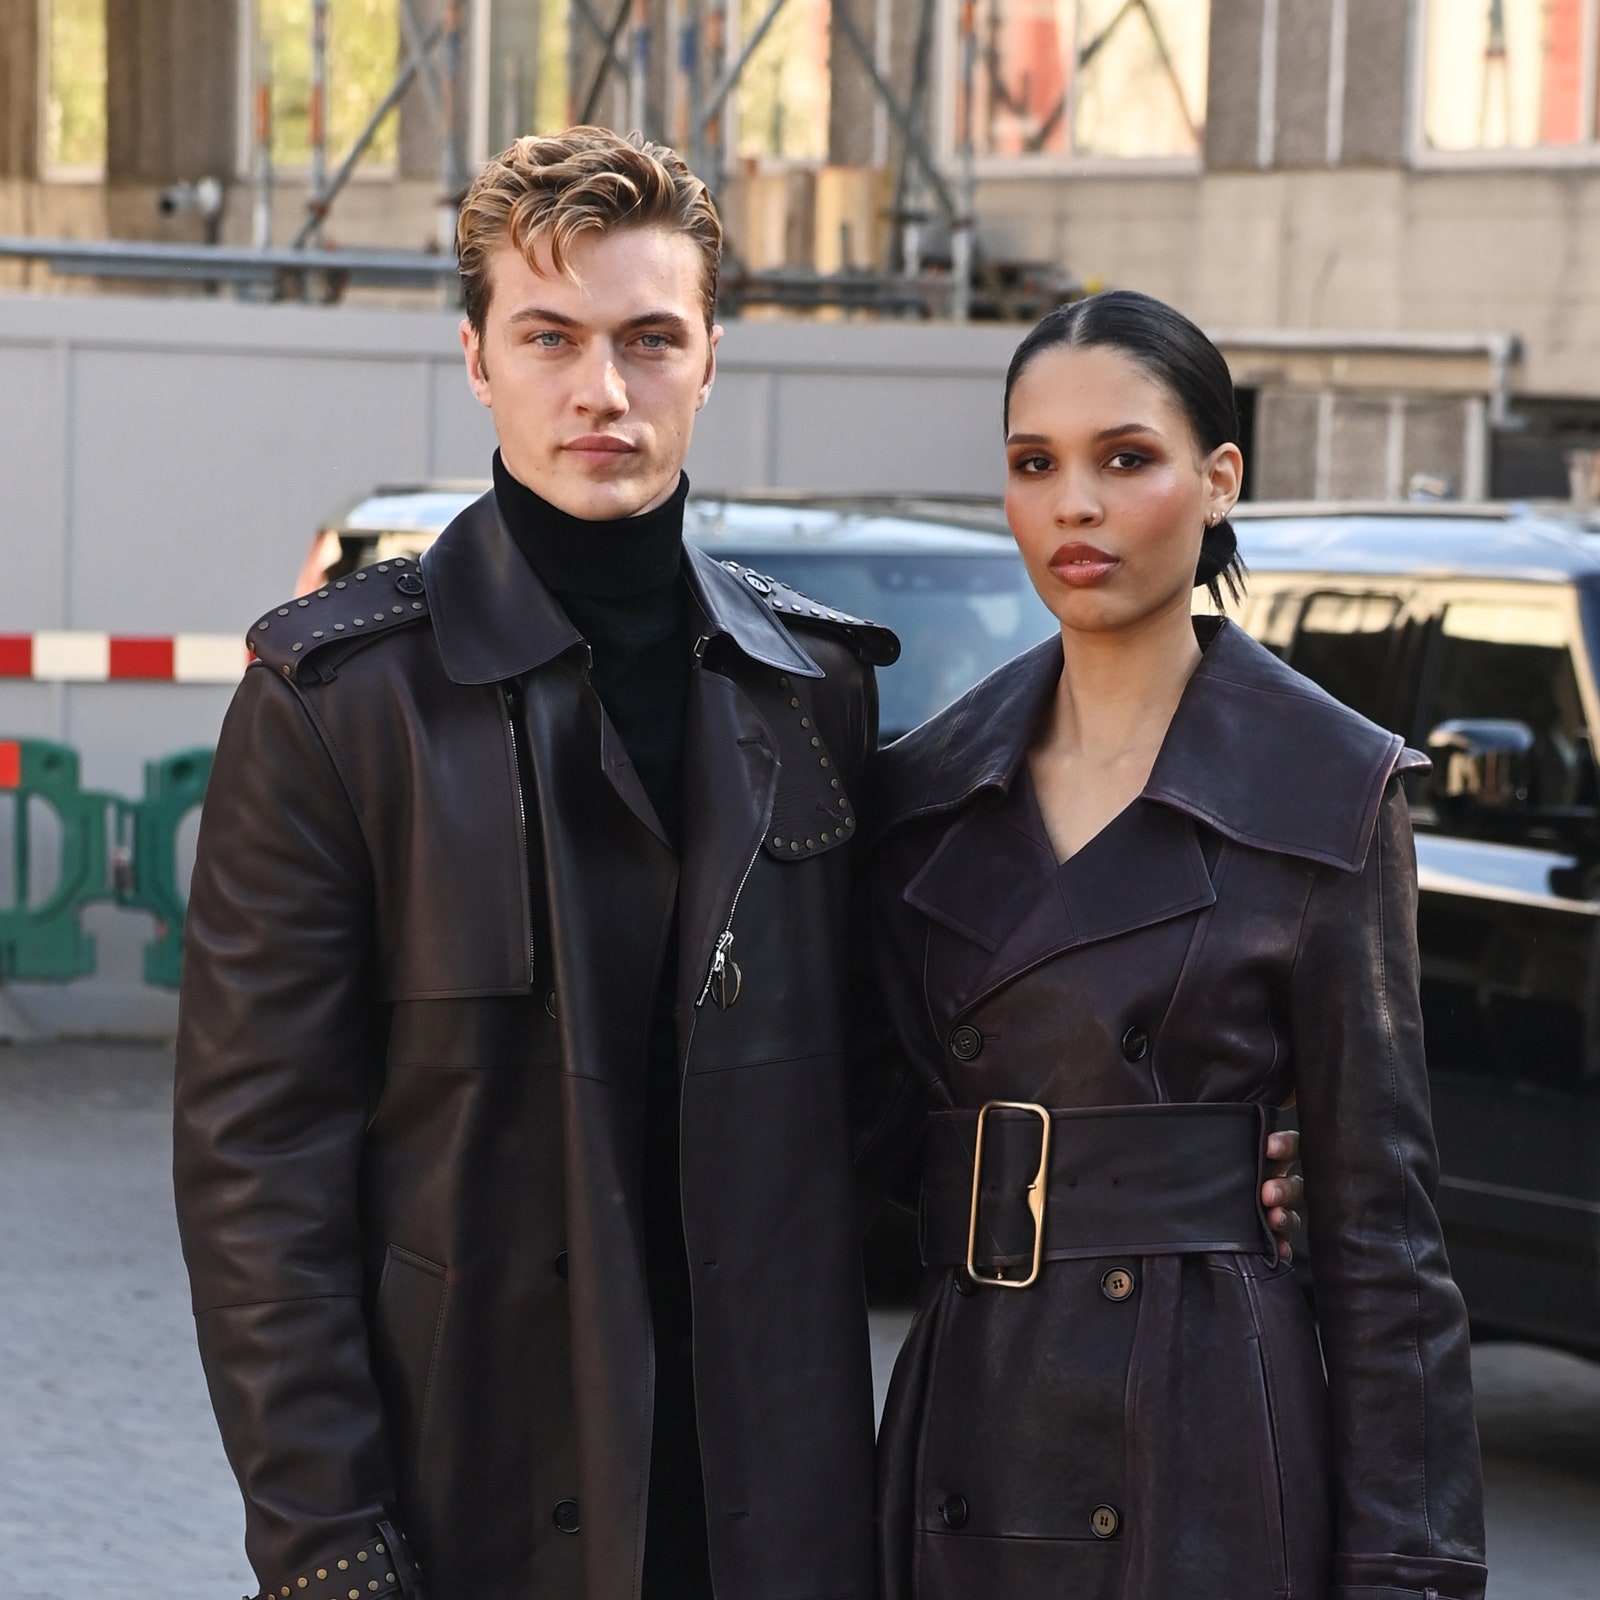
[565, 185]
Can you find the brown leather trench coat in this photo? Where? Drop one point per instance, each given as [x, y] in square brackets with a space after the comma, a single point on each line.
[1151, 1421]
[427, 918]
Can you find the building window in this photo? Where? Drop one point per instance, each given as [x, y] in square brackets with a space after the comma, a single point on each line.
[783, 93]
[1086, 78]
[75, 86]
[1509, 74]
[363, 55]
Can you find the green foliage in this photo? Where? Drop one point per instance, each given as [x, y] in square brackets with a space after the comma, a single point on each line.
[75, 104]
[363, 56]
[784, 94]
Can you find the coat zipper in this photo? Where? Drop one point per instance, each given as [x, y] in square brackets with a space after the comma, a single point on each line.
[522, 817]
[719, 960]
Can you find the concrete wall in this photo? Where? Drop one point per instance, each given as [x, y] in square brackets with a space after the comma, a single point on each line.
[166, 463]
[1359, 248]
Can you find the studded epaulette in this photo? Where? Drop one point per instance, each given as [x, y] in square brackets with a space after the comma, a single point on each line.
[357, 606]
[872, 641]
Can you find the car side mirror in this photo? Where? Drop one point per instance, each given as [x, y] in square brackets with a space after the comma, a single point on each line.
[1485, 764]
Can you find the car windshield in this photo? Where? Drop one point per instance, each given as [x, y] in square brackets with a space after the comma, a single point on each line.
[959, 616]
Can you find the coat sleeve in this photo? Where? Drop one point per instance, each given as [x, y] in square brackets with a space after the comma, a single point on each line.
[276, 1065]
[1409, 1496]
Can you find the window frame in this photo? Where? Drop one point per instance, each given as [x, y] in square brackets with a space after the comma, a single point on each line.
[299, 172]
[1046, 163]
[58, 172]
[1584, 153]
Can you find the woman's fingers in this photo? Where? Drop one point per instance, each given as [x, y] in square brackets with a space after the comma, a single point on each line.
[1283, 1148]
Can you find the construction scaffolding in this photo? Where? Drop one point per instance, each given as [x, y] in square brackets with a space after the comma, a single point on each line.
[904, 242]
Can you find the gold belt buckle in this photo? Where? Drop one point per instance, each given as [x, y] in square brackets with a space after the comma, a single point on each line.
[1036, 1195]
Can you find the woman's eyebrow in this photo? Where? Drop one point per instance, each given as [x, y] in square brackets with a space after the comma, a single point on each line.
[1122, 429]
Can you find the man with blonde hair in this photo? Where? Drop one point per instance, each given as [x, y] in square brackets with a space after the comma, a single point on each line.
[514, 1150]
[513, 1158]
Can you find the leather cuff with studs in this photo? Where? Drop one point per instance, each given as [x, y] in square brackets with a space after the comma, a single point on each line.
[382, 1569]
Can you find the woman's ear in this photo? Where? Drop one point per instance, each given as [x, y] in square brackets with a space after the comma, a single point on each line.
[1224, 474]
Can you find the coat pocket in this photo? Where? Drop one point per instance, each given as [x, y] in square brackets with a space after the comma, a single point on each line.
[408, 1325]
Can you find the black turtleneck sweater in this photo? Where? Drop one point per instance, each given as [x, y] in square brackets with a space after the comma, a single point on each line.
[621, 584]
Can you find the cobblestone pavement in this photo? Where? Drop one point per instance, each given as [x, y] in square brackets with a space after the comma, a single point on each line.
[112, 1483]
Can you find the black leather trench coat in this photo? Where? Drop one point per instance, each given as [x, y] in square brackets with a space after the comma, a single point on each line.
[1153, 1422]
[427, 917]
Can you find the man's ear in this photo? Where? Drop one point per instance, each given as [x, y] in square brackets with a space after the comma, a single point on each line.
[710, 376]
[477, 371]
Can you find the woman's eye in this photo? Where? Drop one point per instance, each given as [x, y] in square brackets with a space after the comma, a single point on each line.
[1031, 466]
[1128, 460]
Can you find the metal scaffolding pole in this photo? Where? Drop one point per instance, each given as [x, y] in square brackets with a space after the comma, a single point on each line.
[261, 212]
[317, 180]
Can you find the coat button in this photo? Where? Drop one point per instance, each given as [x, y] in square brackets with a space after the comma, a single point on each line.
[965, 1043]
[1104, 1521]
[560, 1264]
[965, 1283]
[565, 1516]
[1117, 1284]
[409, 584]
[953, 1512]
[1136, 1043]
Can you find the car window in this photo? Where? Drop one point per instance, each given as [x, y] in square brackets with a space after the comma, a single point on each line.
[1511, 659]
[958, 616]
[1345, 643]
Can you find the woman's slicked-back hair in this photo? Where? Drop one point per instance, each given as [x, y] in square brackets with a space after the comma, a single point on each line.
[1177, 355]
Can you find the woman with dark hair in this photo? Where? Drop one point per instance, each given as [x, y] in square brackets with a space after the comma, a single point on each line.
[1137, 887]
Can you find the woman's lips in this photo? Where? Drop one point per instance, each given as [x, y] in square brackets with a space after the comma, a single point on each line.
[1082, 565]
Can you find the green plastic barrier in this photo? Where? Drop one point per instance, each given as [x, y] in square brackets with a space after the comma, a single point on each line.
[147, 865]
[47, 941]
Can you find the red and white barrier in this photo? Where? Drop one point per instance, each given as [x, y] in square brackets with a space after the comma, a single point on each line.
[79, 657]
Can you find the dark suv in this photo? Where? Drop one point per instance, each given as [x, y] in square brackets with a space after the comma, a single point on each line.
[1476, 635]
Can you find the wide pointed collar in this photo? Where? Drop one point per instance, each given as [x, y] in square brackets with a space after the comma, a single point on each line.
[496, 620]
[1254, 751]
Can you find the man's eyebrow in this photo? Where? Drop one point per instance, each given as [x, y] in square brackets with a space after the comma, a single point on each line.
[543, 314]
[657, 319]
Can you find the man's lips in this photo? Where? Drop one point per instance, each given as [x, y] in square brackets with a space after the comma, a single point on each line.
[1081, 565]
[599, 444]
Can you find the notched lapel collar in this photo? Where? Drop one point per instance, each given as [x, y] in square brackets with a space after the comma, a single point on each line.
[1144, 867]
[1266, 758]
[982, 876]
[492, 616]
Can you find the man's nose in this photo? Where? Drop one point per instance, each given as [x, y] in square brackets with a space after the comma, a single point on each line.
[601, 390]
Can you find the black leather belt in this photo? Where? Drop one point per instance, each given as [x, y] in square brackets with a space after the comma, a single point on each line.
[1011, 1186]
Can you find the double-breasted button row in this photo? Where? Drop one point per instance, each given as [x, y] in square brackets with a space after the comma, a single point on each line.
[954, 1513]
[1117, 1284]
[966, 1043]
